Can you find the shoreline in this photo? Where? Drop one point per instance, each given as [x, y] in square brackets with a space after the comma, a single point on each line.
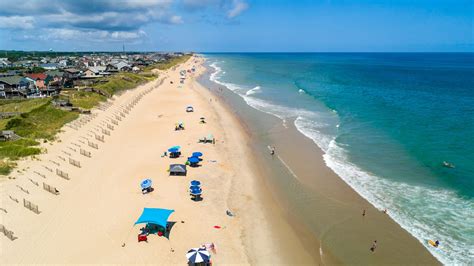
[324, 202]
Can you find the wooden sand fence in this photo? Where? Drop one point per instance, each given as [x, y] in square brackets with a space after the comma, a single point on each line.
[7, 232]
[50, 189]
[86, 153]
[93, 145]
[100, 138]
[38, 173]
[62, 174]
[75, 162]
[31, 206]
[106, 132]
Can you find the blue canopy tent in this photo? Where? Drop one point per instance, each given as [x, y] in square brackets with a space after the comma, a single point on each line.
[197, 154]
[195, 183]
[154, 216]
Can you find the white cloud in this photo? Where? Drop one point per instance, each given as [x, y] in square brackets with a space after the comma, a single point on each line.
[176, 20]
[231, 8]
[17, 22]
[90, 16]
[91, 35]
[238, 6]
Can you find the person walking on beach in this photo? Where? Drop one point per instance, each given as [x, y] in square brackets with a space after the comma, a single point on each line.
[272, 151]
[374, 246]
[363, 213]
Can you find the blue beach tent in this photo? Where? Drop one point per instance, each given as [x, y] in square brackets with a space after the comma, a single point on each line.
[154, 216]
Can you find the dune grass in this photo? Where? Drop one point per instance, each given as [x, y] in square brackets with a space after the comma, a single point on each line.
[14, 150]
[22, 106]
[120, 82]
[169, 63]
[84, 99]
[41, 123]
[6, 167]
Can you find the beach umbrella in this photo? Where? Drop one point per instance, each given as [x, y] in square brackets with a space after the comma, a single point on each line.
[196, 191]
[194, 187]
[197, 154]
[193, 159]
[198, 255]
[174, 149]
[195, 183]
[145, 183]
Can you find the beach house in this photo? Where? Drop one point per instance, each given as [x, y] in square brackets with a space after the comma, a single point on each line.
[69, 76]
[14, 86]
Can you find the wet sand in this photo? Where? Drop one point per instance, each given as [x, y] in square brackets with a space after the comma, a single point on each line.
[318, 202]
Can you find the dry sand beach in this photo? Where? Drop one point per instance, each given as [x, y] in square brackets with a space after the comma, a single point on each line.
[91, 220]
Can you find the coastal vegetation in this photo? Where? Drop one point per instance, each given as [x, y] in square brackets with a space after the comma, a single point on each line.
[122, 81]
[41, 123]
[84, 99]
[168, 63]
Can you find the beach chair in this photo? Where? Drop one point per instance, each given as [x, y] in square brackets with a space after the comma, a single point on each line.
[142, 237]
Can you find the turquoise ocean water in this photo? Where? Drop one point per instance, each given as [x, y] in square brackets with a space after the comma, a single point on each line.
[385, 122]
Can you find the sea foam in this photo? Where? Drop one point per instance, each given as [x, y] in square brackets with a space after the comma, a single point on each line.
[257, 89]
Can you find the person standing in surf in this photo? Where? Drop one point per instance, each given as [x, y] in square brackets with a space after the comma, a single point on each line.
[374, 246]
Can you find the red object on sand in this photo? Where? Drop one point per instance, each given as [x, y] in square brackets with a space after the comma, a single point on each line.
[217, 227]
[160, 233]
[142, 238]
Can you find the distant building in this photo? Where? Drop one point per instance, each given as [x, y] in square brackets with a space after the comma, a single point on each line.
[123, 66]
[49, 66]
[4, 63]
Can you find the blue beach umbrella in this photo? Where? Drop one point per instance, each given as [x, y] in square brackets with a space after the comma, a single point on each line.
[198, 255]
[193, 159]
[146, 183]
[174, 149]
[197, 154]
[195, 183]
[196, 191]
[193, 187]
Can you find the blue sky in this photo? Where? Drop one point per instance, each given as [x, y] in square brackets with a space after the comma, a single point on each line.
[237, 25]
